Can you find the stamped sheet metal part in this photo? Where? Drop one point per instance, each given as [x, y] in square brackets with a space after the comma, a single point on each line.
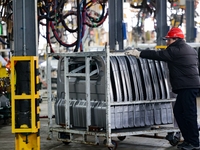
[145, 87]
[127, 79]
[115, 81]
[132, 79]
[160, 79]
[154, 79]
[148, 79]
[122, 79]
[118, 83]
[138, 78]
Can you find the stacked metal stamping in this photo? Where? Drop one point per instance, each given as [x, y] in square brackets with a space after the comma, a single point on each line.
[131, 80]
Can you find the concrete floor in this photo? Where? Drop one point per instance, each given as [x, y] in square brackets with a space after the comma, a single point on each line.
[7, 141]
[130, 143]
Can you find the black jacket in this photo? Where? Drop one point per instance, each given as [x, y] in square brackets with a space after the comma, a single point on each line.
[182, 62]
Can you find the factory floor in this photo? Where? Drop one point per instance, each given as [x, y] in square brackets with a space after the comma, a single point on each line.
[149, 142]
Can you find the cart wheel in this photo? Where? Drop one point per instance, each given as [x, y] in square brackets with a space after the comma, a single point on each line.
[63, 135]
[67, 137]
[113, 142]
[121, 138]
[66, 143]
[173, 139]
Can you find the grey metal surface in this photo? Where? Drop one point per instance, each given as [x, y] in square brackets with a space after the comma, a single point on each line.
[160, 80]
[59, 108]
[154, 79]
[161, 16]
[25, 28]
[127, 78]
[122, 79]
[149, 115]
[115, 83]
[166, 84]
[148, 80]
[138, 78]
[145, 85]
[100, 114]
[190, 24]
[115, 24]
[77, 83]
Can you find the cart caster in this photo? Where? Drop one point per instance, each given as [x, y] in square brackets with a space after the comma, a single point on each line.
[121, 138]
[65, 136]
[173, 139]
[66, 143]
[114, 144]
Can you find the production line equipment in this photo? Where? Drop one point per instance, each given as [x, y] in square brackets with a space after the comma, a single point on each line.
[5, 93]
[110, 95]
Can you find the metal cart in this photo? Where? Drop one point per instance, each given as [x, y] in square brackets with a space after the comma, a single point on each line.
[67, 132]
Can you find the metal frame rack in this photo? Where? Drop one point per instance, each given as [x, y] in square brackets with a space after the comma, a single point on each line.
[107, 133]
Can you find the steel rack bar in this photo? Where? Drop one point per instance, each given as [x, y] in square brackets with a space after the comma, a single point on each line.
[144, 131]
[120, 132]
[87, 91]
[75, 74]
[107, 92]
[66, 85]
[49, 96]
[79, 54]
[143, 102]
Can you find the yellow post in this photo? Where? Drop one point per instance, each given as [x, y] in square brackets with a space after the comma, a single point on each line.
[25, 103]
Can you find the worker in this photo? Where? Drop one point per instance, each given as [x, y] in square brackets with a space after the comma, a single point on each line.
[182, 61]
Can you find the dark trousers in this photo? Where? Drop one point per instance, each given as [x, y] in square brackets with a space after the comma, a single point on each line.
[185, 112]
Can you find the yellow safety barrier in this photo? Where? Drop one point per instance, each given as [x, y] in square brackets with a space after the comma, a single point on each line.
[27, 134]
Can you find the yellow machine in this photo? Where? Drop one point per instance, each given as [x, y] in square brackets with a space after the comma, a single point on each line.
[25, 103]
[3, 72]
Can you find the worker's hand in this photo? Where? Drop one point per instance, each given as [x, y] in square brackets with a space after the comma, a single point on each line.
[133, 52]
[44, 83]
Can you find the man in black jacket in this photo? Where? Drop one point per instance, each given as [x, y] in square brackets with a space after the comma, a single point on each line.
[182, 62]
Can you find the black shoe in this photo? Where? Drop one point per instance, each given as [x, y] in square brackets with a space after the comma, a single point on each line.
[179, 146]
[190, 147]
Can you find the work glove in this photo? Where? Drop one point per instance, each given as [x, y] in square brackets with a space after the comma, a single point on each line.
[133, 52]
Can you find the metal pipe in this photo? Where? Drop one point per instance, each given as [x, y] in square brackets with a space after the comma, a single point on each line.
[48, 78]
[87, 90]
[66, 87]
[108, 106]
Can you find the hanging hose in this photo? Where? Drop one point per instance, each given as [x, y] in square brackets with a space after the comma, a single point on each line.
[79, 26]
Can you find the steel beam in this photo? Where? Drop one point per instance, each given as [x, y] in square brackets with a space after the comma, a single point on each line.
[25, 27]
[161, 17]
[115, 24]
[190, 36]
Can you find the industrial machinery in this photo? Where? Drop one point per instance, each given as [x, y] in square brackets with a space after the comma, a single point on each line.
[5, 91]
